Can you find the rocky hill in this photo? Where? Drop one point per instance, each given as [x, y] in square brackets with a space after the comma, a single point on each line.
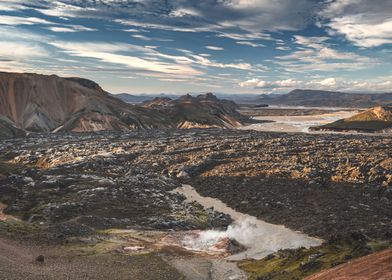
[321, 98]
[377, 119]
[202, 111]
[41, 103]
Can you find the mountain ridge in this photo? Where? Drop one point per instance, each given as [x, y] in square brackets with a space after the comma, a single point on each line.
[323, 98]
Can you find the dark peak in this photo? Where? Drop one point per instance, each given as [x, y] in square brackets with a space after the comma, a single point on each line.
[208, 96]
[85, 82]
[157, 102]
[186, 97]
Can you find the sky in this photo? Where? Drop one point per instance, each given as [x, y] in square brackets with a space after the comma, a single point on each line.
[224, 46]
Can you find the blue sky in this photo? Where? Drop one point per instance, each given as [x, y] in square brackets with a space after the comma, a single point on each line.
[226, 46]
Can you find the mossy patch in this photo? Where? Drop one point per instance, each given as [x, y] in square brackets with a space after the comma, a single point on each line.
[17, 228]
[299, 263]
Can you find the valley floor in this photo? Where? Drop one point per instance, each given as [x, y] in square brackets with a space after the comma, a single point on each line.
[295, 122]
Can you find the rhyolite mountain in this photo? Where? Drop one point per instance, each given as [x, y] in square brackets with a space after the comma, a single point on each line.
[322, 98]
[377, 119]
[41, 103]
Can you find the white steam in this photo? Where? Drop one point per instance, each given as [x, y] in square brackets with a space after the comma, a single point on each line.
[260, 238]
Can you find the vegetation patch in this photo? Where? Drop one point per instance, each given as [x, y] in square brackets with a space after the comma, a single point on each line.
[299, 263]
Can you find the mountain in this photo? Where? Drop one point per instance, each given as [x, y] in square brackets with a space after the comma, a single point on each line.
[49, 103]
[320, 98]
[205, 110]
[140, 98]
[377, 119]
[41, 103]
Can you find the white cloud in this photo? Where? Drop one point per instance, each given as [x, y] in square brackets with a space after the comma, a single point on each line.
[310, 42]
[197, 59]
[184, 12]
[230, 18]
[244, 36]
[316, 54]
[141, 37]
[214, 48]
[363, 22]
[283, 48]
[21, 50]
[70, 28]
[379, 84]
[253, 83]
[11, 5]
[251, 44]
[15, 20]
[329, 82]
[108, 53]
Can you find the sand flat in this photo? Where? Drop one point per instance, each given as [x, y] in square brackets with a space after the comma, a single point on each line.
[297, 123]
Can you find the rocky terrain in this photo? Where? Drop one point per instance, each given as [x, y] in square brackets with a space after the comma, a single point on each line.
[377, 119]
[67, 188]
[322, 98]
[40, 103]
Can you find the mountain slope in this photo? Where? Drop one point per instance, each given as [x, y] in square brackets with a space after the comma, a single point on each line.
[44, 103]
[320, 98]
[8, 130]
[41, 103]
[377, 119]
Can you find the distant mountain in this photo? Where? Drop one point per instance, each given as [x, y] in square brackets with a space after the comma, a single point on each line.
[41, 103]
[140, 98]
[202, 111]
[320, 98]
[378, 119]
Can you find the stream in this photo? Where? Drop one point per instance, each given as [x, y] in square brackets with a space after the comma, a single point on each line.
[260, 238]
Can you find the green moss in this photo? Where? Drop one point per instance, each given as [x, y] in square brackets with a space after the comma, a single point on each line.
[16, 228]
[299, 263]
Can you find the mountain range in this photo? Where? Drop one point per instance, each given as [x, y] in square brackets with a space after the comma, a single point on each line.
[41, 103]
[322, 98]
[297, 97]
